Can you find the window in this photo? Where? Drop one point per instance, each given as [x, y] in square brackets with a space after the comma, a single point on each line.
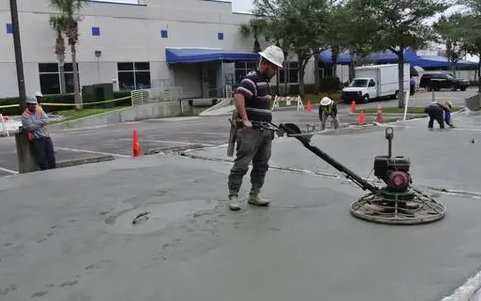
[9, 28]
[292, 75]
[134, 76]
[242, 68]
[49, 75]
[220, 36]
[164, 34]
[95, 31]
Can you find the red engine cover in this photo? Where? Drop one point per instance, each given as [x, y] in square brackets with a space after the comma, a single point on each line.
[398, 180]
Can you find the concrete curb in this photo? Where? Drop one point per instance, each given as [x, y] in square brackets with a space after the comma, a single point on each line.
[82, 161]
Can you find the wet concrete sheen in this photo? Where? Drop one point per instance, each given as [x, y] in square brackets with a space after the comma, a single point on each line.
[56, 242]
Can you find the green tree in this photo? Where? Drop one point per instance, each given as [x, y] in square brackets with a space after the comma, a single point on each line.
[69, 11]
[450, 32]
[57, 24]
[300, 21]
[399, 24]
[470, 34]
[255, 28]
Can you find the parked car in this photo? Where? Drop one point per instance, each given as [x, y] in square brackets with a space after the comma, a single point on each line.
[439, 80]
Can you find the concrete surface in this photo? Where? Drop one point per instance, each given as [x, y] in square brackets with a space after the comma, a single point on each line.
[444, 159]
[67, 234]
[164, 133]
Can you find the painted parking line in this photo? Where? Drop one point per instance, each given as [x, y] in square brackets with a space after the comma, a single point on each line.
[13, 172]
[208, 133]
[90, 152]
[169, 142]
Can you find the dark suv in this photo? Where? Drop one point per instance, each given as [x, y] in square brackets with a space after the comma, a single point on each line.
[438, 80]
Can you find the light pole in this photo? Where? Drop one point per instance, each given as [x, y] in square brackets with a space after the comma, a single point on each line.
[18, 52]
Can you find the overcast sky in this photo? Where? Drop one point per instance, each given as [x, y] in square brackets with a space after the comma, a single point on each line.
[242, 6]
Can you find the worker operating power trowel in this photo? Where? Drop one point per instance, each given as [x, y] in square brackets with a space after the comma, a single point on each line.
[252, 100]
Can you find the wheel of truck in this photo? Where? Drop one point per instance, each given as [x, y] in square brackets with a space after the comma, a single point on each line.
[462, 88]
[454, 87]
[365, 99]
[395, 95]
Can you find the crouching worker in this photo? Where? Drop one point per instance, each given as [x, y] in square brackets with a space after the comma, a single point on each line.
[34, 122]
[328, 108]
[441, 112]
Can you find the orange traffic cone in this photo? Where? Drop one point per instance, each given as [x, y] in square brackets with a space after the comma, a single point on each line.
[136, 145]
[362, 119]
[353, 106]
[379, 118]
[308, 107]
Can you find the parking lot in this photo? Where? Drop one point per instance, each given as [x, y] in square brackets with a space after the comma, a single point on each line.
[184, 132]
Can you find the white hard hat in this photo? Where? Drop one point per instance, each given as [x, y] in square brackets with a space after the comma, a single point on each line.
[274, 55]
[38, 94]
[325, 101]
[450, 104]
[31, 100]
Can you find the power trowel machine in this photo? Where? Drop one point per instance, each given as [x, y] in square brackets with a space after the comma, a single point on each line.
[395, 203]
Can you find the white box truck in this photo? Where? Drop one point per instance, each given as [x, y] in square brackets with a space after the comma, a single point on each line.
[375, 82]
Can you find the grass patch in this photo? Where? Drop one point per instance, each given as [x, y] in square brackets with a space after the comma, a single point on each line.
[411, 110]
[77, 114]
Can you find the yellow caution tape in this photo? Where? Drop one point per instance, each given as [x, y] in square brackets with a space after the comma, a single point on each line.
[8, 106]
[70, 104]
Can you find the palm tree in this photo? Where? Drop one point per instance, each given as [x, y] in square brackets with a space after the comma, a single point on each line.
[57, 22]
[69, 10]
[255, 28]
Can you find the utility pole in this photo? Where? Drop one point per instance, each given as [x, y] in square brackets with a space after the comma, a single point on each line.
[18, 53]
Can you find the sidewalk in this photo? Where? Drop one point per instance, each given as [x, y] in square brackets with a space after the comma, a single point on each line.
[68, 233]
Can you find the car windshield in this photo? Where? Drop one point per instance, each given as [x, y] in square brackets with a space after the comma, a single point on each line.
[450, 76]
[359, 83]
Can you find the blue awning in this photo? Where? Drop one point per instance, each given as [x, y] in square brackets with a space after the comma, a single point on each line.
[432, 61]
[198, 55]
[382, 57]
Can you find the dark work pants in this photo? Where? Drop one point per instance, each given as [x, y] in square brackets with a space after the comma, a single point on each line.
[435, 113]
[253, 145]
[42, 150]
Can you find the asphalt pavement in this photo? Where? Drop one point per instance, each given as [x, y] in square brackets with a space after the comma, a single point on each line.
[158, 228]
[155, 135]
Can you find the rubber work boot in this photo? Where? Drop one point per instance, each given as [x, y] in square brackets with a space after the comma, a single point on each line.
[256, 199]
[234, 202]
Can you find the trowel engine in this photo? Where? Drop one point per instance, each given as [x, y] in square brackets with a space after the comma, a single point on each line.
[396, 203]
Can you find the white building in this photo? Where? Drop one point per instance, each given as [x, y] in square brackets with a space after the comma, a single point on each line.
[128, 44]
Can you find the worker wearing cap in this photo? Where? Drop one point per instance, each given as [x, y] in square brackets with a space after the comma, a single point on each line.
[441, 112]
[39, 97]
[34, 122]
[328, 108]
[252, 100]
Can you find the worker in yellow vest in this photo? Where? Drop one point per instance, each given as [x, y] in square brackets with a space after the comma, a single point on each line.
[328, 108]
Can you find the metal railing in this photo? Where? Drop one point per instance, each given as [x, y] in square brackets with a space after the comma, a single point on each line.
[144, 96]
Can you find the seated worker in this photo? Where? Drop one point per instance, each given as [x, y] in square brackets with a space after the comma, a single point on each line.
[34, 122]
[326, 109]
[437, 111]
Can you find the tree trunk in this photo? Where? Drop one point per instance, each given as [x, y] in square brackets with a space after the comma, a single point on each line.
[479, 75]
[63, 87]
[301, 69]
[317, 79]
[286, 71]
[401, 76]
[351, 67]
[76, 84]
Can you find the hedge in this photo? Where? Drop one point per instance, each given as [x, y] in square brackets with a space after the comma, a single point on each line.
[62, 98]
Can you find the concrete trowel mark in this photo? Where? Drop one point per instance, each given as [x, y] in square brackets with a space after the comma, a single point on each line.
[442, 190]
[11, 288]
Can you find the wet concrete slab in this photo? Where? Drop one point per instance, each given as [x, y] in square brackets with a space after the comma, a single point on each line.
[440, 158]
[67, 234]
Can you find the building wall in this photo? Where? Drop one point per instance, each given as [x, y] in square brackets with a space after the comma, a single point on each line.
[128, 33]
